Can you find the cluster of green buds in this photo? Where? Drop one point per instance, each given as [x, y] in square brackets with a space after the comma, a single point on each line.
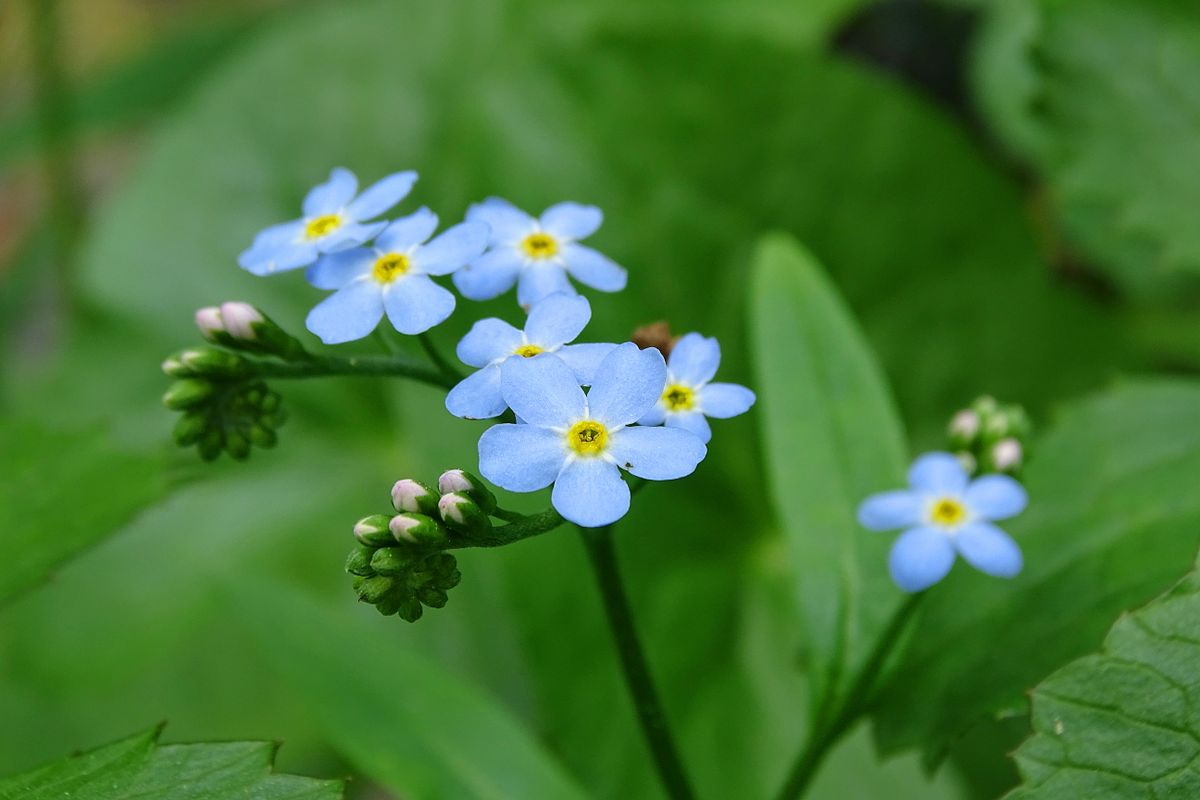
[988, 436]
[225, 406]
[400, 564]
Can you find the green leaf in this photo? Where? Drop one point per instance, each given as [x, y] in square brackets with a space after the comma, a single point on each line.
[831, 437]
[1114, 517]
[400, 717]
[140, 767]
[61, 492]
[1123, 723]
[1102, 96]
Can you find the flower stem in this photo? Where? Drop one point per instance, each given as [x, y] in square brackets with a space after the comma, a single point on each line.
[830, 728]
[443, 366]
[602, 554]
[376, 366]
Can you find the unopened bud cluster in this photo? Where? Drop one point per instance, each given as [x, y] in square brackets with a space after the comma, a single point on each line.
[225, 407]
[400, 564]
[988, 436]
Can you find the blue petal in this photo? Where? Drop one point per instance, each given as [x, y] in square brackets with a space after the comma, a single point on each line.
[521, 458]
[571, 220]
[542, 390]
[888, 511]
[627, 384]
[657, 454]
[989, 549]
[349, 235]
[380, 196]
[691, 421]
[490, 275]
[408, 232]
[583, 359]
[269, 259]
[594, 270]
[488, 340]
[725, 400]
[655, 416]
[694, 359]
[540, 280]
[920, 558]
[350, 313]
[453, 249]
[477, 396]
[937, 473]
[590, 492]
[415, 304]
[996, 497]
[557, 320]
[508, 223]
[335, 270]
[331, 196]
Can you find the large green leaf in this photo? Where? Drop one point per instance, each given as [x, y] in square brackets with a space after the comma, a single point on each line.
[1102, 96]
[140, 767]
[1113, 518]
[61, 492]
[1123, 723]
[402, 718]
[831, 437]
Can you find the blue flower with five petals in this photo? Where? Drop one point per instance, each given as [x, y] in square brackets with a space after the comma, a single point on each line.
[945, 513]
[493, 343]
[334, 219]
[689, 397]
[579, 442]
[392, 277]
[537, 254]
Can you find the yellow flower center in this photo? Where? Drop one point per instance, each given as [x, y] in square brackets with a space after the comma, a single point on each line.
[947, 512]
[317, 227]
[390, 266]
[678, 397]
[540, 245]
[527, 350]
[588, 438]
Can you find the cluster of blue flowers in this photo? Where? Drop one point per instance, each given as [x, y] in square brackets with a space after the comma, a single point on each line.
[584, 411]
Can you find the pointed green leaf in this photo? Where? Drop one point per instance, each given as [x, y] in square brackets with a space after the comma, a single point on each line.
[831, 437]
[140, 767]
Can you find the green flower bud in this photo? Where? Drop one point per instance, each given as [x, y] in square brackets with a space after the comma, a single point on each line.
[359, 561]
[188, 393]
[210, 445]
[262, 437]
[190, 428]
[391, 561]
[211, 362]
[462, 514]
[418, 529]
[432, 597]
[237, 445]
[410, 609]
[373, 531]
[175, 368]
[458, 481]
[372, 590]
[415, 497]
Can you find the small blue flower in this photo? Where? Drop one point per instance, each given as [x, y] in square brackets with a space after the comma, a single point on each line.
[689, 397]
[493, 343]
[334, 219]
[392, 277]
[537, 254]
[579, 442]
[946, 512]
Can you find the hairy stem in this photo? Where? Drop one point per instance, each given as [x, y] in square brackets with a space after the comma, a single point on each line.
[602, 554]
[831, 727]
[373, 366]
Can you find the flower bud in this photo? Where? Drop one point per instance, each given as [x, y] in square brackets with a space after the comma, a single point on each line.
[433, 597]
[410, 609]
[174, 368]
[969, 464]
[410, 528]
[373, 531]
[240, 320]
[390, 561]
[964, 427]
[209, 361]
[262, 437]
[210, 444]
[372, 590]
[463, 514]
[208, 320]
[414, 497]
[187, 393]
[190, 428]
[458, 481]
[237, 445]
[359, 561]
[1007, 455]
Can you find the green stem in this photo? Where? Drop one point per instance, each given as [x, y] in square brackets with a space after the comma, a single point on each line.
[830, 728]
[375, 366]
[443, 366]
[521, 527]
[602, 554]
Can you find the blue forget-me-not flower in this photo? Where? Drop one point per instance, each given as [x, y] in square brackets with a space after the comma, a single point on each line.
[392, 277]
[945, 512]
[492, 343]
[334, 219]
[579, 442]
[689, 396]
[537, 253]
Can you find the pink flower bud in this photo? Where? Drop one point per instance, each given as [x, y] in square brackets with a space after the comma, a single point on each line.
[208, 320]
[454, 480]
[239, 320]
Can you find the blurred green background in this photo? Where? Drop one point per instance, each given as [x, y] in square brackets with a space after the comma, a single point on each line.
[1004, 195]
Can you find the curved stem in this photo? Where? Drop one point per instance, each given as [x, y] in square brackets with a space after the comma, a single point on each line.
[443, 366]
[599, 543]
[830, 728]
[318, 366]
